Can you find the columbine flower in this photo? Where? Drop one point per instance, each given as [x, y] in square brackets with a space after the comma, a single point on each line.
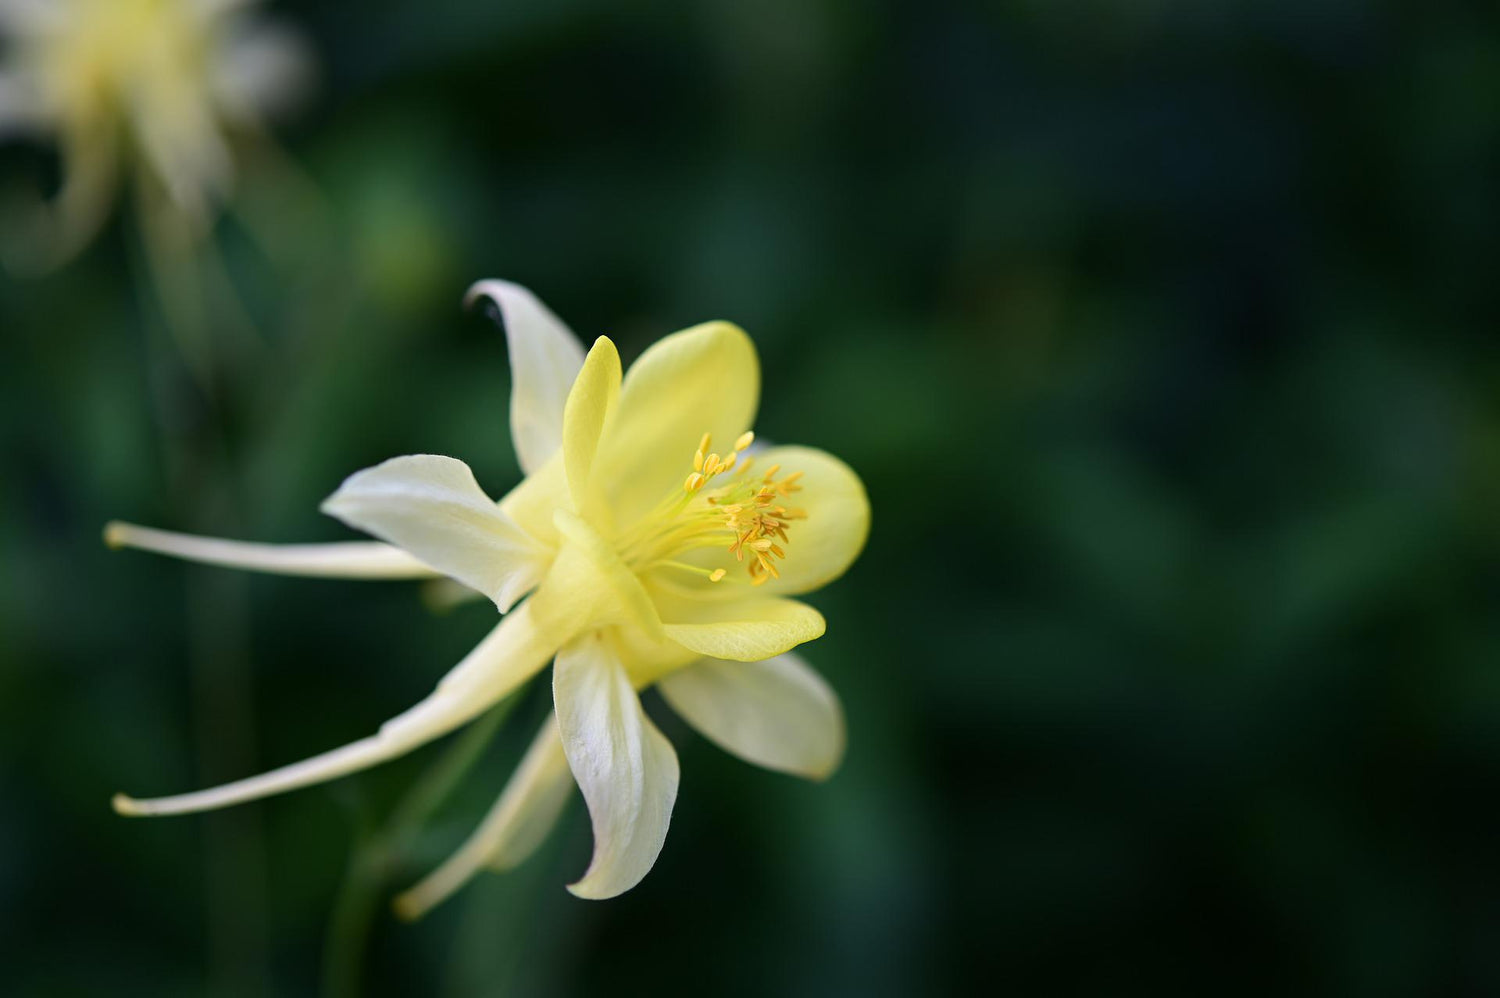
[157, 82]
[652, 555]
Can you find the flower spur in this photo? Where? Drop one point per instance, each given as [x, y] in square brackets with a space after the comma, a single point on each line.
[644, 558]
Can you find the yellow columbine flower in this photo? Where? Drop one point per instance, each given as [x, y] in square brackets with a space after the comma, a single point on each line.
[161, 81]
[653, 555]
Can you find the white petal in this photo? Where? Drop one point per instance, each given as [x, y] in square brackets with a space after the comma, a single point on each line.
[513, 652]
[346, 560]
[545, 358]
[260, 69]
[20, 111]
[624, 765]
[432, 507]
[22, 18]
[778, 713]
[511, 832]
[208, 10]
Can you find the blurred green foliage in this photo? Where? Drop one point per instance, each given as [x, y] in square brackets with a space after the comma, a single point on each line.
[1163, 334]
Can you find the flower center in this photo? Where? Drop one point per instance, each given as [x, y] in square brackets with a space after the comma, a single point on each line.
[721, 504]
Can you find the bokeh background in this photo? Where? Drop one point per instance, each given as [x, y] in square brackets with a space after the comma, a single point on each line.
[1162, 332]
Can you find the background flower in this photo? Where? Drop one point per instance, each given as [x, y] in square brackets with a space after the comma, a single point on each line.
[150, 92]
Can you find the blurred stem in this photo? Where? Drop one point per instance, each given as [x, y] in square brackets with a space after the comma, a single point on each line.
[195, 465]
[376, 853]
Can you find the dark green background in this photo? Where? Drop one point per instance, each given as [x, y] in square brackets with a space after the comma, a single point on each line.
[1162, 332]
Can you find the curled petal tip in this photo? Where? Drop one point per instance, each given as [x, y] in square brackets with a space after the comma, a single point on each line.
[115, 534]
[581, 891]
[406, 907]
[488, 288]
[587, 889]
[127, 806]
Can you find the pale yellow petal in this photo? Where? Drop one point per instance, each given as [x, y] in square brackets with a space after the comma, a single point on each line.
[512, 830]
[625, 767]
[346, 560]
[433, 507]
[589, 406]
[821, 547]
[702, 380]
[545, 358]
[778, 713]
[602, 589]
[512, 653]
[745, 631]
[539, 495]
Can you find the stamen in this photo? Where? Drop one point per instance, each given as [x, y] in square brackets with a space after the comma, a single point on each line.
[742, 511]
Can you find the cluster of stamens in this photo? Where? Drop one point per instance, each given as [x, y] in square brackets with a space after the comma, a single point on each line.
[721, 496]
[749, 509]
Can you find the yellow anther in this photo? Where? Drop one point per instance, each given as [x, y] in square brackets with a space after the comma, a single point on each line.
[745, 510]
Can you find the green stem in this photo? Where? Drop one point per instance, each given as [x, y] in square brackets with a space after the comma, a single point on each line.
[375, 854]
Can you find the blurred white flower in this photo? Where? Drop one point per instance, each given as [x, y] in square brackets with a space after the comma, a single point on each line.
[148, 90]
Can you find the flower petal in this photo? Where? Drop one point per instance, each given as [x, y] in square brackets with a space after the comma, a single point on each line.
[511, 831]
[536, 497]
[26, 19]
[778, 713]
[605, 591]
[624, 765]
[823, 546]
[545, 358]
[747, 631]
[702, 380]
[512, 653]
[346, 560]
[432, 507]
[19, 108]
[259, 69]
[589, 405]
